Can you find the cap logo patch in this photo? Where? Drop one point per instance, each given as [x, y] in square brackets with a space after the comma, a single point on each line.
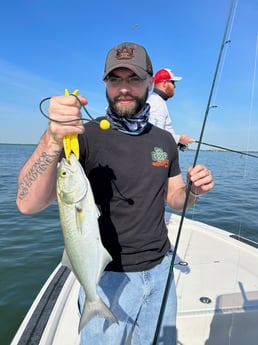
[125, 53]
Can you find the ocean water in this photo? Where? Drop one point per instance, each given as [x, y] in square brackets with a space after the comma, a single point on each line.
[31, 246]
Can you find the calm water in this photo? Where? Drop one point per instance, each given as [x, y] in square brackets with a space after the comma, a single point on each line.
[31, 246]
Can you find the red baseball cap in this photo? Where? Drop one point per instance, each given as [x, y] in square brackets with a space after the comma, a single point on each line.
[165, 74]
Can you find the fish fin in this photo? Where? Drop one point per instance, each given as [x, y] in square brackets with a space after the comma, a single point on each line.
[105, 258]
[95, 308]
[66, 261]
[79, 216]
[97, 211]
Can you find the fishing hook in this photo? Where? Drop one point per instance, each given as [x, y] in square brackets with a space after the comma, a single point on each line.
[170, 274]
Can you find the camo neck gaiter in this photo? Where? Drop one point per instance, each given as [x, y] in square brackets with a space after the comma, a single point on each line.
[133, 125]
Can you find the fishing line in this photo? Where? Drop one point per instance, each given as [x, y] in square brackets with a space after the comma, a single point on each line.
[238, 264]
[225, 54]
[227, 149]
[89, 118]
[103, 124]
[252, 92]
[170, 274]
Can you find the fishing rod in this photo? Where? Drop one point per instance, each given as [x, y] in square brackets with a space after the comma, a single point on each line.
[226, 149]
[170, 274]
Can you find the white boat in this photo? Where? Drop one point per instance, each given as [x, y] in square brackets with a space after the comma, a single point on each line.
[216, 274]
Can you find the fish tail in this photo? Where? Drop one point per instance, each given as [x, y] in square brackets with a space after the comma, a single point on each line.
[95, 308]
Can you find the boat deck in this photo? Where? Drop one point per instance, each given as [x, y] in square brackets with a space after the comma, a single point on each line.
[217, 286]
[216, 277]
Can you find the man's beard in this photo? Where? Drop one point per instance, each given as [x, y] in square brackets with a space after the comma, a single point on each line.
[127, 110]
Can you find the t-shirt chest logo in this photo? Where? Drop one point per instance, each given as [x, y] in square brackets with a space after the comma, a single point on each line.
[159, 157]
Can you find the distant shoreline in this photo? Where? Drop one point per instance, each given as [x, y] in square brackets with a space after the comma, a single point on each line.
[206, 150]
[18, 144]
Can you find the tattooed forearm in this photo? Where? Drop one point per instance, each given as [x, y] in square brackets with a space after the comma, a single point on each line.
[36, 170]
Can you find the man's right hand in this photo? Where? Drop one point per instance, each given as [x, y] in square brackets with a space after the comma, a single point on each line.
[63, 109]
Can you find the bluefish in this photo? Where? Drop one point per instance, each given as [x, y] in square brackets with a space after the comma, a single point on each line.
[84, 252]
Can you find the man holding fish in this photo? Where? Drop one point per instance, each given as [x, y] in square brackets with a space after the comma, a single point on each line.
[132, 168]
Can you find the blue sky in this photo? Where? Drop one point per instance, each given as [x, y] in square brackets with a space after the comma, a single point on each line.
[47, 46]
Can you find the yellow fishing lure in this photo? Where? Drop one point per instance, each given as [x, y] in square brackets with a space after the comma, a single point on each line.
[70, 142]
